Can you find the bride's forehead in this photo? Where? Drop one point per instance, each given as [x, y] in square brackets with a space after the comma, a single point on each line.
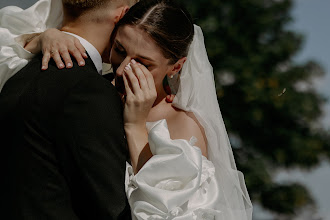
[132, 36]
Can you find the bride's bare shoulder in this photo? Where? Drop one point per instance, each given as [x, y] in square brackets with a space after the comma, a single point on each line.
[184, 125]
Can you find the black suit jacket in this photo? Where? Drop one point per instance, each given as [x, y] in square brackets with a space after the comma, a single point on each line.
[62, 145]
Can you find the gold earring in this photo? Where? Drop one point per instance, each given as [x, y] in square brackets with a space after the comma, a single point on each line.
[171, 76]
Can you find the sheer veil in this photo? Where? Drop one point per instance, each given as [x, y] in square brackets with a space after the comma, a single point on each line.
[195, 92]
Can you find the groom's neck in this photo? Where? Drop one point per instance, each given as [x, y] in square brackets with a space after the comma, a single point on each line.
[94, 25]
[98, 34]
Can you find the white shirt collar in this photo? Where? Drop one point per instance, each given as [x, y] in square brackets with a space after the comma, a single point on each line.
[92, 52]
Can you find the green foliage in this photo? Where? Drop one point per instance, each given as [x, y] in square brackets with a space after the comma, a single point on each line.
[264, 96]
[291, 196]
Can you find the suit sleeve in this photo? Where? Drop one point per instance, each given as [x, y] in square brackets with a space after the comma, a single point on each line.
[92, 149]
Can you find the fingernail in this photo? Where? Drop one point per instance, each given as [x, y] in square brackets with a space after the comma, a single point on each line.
[61, 66]
[81, 63]
[43, 67]
[85, 54]
[127, 68]
[133, 61]
[69, 65]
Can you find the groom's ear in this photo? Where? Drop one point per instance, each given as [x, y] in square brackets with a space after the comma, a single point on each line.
[178, 65]
[120, 12]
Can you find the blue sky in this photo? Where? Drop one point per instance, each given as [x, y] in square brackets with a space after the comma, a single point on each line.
[20, 3]
[311, 17]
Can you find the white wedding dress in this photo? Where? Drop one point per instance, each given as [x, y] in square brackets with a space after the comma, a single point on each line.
[178, 182]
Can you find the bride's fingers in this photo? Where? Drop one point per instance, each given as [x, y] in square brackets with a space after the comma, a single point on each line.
[64, 53]
[45, 60]
[132, 80]
[140, 75]
[81, 49]
[149, 78]
[57, 58]
[77, 54]
[127, 86]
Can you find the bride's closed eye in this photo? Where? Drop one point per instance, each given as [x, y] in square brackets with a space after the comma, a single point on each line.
[119, 48]
[120, 51]
[144, 64]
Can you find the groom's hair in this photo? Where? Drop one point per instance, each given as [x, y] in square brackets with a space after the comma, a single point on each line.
[84, 4]
[76, 8]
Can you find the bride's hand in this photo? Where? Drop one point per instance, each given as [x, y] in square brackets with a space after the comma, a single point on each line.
[140, 95]
[58, 45]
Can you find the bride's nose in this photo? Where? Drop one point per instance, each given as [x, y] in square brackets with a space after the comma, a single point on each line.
[120, 69]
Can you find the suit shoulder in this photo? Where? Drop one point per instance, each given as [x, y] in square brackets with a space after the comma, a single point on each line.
[96, 85]
[72, 77]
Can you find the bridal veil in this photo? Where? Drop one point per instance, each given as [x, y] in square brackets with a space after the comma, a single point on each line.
[195, 92]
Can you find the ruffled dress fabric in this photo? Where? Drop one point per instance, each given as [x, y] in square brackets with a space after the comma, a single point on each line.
[15, 22]
[178, 182]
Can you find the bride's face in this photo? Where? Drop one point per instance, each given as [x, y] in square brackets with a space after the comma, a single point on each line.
[133, 43]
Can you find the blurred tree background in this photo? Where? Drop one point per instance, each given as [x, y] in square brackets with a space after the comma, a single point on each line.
[270, 109]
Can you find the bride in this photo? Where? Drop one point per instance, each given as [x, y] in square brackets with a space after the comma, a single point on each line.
[182, 165]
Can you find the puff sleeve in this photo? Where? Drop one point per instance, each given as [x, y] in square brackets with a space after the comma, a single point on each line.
[176, 183]
[17, 26]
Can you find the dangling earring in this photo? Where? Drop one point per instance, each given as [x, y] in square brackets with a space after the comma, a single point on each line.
[166, 85]
[174, 82]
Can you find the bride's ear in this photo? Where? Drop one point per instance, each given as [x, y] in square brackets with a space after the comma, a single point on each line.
[177, 67]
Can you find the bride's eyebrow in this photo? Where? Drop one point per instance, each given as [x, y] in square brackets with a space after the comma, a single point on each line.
[145, 58]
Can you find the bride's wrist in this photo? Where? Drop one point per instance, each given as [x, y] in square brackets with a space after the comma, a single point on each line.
[131, 128]
[33, 44]
[137, 139]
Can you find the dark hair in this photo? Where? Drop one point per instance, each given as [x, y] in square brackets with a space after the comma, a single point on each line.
[167, 23]
[84, 4]
[76, 8]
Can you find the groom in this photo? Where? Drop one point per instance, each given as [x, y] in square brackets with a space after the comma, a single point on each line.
[61, 131]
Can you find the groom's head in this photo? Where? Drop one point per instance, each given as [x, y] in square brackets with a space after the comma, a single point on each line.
[94, 20]
[97, 11]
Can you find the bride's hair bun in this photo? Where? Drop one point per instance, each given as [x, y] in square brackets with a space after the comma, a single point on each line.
[168, 23]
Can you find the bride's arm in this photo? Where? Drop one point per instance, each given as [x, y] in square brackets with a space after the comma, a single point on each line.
[20, 33]
[184, 125]
[140, 96]
[14, 22]
[168, 177]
